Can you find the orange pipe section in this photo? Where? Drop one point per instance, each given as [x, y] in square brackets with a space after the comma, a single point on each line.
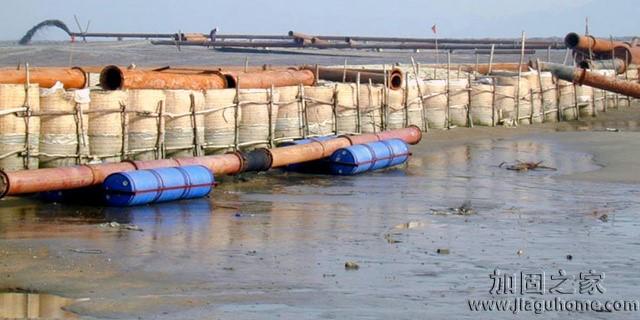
[72, 78]
[590, 43]
[266, 79]
[51, 179]
[115, 78]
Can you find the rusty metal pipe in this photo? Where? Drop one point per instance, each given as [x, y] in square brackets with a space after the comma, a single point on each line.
[114, 78]
[71, 78]
[590, 43]
[631, 55]
[584, 77]
[51, 179]
[394, 81]
[268, 78]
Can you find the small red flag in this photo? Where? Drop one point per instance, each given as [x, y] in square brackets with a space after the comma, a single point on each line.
[434, 29]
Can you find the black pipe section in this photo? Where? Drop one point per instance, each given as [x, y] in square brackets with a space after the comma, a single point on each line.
[257, 160]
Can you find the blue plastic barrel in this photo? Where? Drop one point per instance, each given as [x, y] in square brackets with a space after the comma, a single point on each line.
[369, 156]
[157, 185]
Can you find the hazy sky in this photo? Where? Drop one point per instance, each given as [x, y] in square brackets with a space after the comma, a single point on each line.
[461, 18]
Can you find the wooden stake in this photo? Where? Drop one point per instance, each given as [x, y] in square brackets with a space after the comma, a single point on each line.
[425, 124]
[344, 71]
[358, 119]
[491, 55]
[469, 118]
[271, 129]
[236, 117]
[541, 91]
[335, 109]
[305, 115]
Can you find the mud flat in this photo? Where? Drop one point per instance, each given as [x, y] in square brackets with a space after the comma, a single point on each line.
[274, 245]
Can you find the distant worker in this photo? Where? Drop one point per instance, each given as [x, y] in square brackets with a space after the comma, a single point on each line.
[213, 33]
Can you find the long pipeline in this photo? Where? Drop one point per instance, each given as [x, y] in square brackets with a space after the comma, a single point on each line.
[590, 43]
[345, 45]
[52, 179]
[584, 77]
[71, 78]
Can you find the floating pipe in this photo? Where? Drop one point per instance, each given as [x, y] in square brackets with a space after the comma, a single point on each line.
[591, 79]
[321, 149]
[590, 43]
[115, 78]
[52, 179]
[267, 79]
[71, 78]
[394, 81]
[618, 65]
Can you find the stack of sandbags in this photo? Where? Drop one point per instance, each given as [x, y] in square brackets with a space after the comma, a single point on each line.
[220, 120]
[289, 124]
[13, 126]
[64, 139]
[259, 113]
[144, 123]
[106, 124]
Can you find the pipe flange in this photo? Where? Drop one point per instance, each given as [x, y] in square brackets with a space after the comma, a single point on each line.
[4, 184]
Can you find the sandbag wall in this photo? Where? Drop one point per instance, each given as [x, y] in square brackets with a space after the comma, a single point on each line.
[57, 127]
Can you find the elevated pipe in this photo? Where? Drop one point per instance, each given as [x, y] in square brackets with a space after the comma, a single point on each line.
[584, 77]
[267, 79]
[52, 179]
[71, 78]
[395, 77]
[114, 78]
[590, 43]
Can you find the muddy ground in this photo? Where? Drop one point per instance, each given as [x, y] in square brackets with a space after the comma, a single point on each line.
[274, 245]
[143, 54]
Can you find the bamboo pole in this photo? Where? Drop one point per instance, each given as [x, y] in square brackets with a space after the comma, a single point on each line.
[358, 119]
[522, 43]
[425, 125]
[448, 90]
[469, 118]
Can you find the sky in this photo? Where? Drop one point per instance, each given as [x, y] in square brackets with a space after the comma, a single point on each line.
[412, 18]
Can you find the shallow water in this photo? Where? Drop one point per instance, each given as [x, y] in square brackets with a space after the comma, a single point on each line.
[275, 245]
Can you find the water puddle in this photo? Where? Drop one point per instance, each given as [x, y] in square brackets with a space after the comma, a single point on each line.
[21, 305]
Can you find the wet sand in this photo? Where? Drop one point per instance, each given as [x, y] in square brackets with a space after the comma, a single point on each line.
[274, 245]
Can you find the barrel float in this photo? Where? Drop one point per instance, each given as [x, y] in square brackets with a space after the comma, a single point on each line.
[368, 157]
[318, 166]
[157, 185]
